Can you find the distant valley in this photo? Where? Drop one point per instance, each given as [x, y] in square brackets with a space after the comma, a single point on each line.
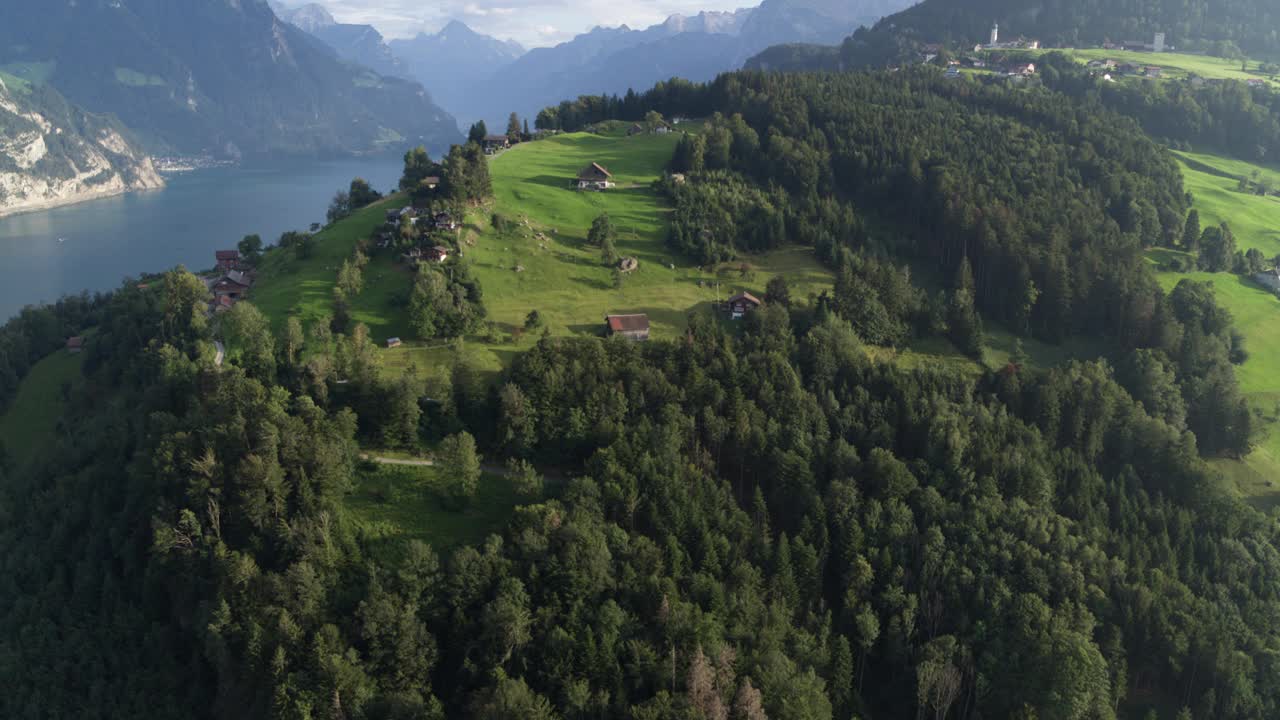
[476, 76]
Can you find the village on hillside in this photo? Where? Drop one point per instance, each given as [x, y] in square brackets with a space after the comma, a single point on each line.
[1013, 59]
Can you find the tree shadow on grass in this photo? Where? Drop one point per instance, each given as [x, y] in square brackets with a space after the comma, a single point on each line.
[594, 283]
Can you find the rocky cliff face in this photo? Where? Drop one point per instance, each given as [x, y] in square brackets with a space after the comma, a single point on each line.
[52, 153]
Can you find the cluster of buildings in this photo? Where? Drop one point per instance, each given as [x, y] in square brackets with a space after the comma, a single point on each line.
[640, 129]
[1157, 45]
[440, 221]
[231, 283]
[997, 44]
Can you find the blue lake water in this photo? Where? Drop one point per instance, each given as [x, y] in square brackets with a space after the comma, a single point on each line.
[104, 241]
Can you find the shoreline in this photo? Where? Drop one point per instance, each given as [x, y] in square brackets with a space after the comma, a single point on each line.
[44, 205]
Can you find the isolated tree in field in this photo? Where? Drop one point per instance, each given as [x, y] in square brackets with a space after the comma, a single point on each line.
[778, 291]
[350, 278]
[339, 207]
[461, 467]
[653, 119]
[250, 247]
[477, 133]
[533, 321]
[362, 193]
[608, 253]
[513, 127]
[601, 229]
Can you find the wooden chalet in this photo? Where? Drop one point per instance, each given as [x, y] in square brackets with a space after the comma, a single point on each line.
[227, 259]
[743, 303]
[632, 327]
[233, 285]
[595, 177]
[494, 143]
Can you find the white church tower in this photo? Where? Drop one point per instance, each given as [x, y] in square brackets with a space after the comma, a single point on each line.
[995, 34]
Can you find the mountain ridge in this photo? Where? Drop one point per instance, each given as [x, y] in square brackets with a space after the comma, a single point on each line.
[219, 77]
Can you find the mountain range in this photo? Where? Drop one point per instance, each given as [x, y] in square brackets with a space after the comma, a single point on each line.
[53, 153]
[477, 76]
[215, 76]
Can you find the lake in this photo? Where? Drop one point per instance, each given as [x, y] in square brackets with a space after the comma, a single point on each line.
[94, 245]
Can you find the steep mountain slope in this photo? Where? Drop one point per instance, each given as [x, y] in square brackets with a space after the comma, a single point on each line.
[216, 75]
[52, 153]
[453, 63]
[360, 44]
[611, 60]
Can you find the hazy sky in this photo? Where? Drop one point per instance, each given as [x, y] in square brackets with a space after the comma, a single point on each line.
[530, 22]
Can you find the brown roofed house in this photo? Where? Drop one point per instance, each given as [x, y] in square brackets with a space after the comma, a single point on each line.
[743, 303]
[632, 327]
[75, 344]
[494, 143]
[227, 259]
[595, 177]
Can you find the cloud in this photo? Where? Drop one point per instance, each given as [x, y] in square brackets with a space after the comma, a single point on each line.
[531, 22]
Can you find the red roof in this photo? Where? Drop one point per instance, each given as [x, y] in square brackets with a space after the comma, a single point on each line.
[227, 255]
[628, 323]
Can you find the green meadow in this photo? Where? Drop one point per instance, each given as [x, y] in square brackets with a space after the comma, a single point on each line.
[1175, 65]
[1214, 183]
[392, 504]
[1256, 312]
[542, 262]
[32, 420]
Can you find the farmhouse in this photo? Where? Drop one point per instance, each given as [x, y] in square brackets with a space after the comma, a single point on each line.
[595, 177]
[494, 143]
[233, 285]
[636, 129]
[430, 182]
[1269, 279]
[632, 327]
[743, 303]
[444, 221]
[437, 254]
[227, 259]
[1154, 71]
[75, 345]
[393, 343]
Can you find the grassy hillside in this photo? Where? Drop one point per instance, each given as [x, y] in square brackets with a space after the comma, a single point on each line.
[1176, 65]
[559, 274]
[1214, 180]
[1257, 317]
[32, 419]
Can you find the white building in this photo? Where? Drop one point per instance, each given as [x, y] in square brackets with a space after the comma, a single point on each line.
[1158, 45]
[995, 35]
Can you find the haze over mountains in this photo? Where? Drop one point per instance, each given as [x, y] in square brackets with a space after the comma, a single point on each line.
[476, 76]
[212, 76]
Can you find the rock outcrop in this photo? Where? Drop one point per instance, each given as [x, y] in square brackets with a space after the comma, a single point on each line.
[53, 153]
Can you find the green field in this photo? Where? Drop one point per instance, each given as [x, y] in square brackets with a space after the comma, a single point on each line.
[1175, 65]
[559, 275]
[392, 504]
[1256, 312]
[32, 420]
[1213, 181]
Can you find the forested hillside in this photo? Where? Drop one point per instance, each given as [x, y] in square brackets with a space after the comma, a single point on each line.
[1220, 27]
[752, 520]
